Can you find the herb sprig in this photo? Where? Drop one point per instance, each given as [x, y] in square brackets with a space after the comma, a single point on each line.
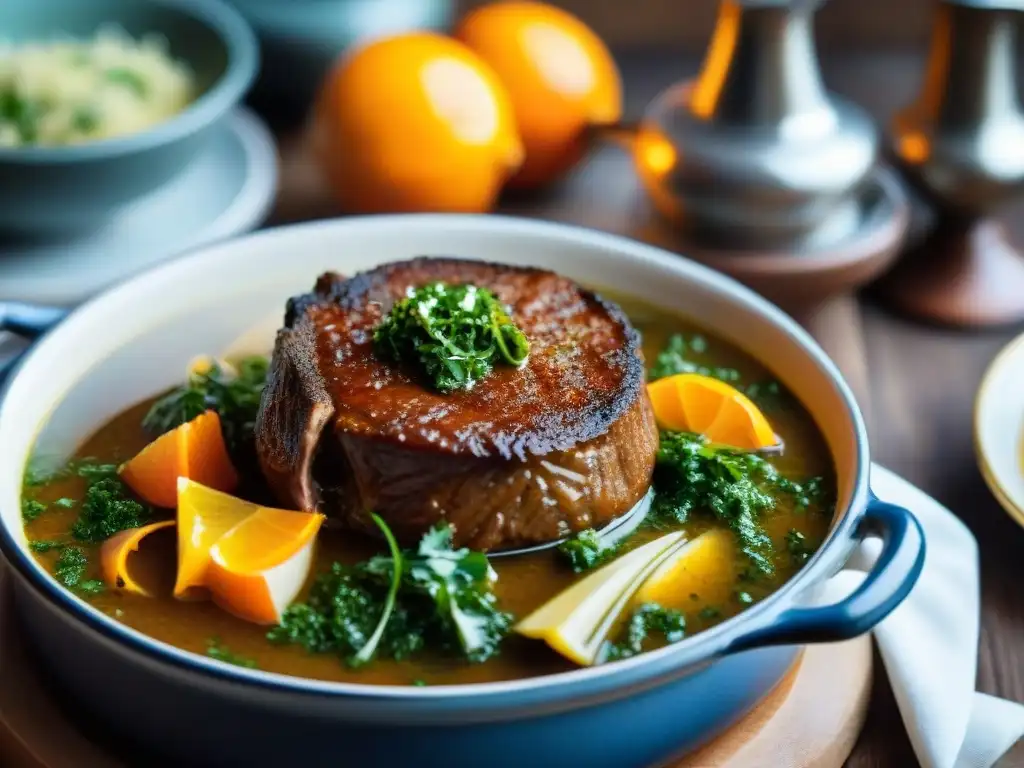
[454, 334]
[108, 506]
[586, 550]
[395, 605]
[739, 488]
[647, 622]
[217, 650]
[70, 568]
[235, 396]
[683, 356]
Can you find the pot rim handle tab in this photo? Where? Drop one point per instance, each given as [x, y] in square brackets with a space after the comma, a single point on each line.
[29, 321]
[884, 587]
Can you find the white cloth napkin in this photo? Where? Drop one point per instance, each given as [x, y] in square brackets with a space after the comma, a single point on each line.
[929, 645]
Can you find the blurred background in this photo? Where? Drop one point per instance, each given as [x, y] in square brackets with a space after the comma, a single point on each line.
[686, 24]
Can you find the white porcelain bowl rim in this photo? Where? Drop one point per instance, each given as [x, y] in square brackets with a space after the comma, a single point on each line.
[616, 679]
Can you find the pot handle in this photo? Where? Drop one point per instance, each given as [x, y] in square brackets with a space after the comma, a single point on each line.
[30, 321]
[883, 588]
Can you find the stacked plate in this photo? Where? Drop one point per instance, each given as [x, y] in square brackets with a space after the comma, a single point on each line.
[226, 190]
[999, 428]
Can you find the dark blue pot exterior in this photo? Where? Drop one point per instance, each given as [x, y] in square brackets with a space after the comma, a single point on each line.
[168, 719]
[165, 709]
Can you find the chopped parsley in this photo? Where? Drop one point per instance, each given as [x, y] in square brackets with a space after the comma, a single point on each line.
[737, 487]
[84, 120]
[220, 652]
[46, 545]
[586, 550]
[235, 396]
[798, 547]
[129, 78]
[678, 357]
[64, 503]
[21, 113]
[453, 334]
[395, 605]
[648, 622]
[70, 568]
[710, 613]
[31, 509]
[108, 506]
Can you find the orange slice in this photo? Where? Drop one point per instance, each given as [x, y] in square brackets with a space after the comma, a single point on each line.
[114, 557]
[195, 450]
[259, 566]
[689, 402]
[204, 516]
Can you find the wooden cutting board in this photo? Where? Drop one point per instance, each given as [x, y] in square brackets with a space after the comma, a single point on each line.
[810, 720]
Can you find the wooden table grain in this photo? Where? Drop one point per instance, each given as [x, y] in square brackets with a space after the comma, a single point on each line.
[919, 381]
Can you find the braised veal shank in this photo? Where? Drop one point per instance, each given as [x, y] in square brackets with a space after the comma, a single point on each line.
[528, 455]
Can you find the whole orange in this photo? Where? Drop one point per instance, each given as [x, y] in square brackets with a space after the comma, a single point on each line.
[560, 75]
[415, 122]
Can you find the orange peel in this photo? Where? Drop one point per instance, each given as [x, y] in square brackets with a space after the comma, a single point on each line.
[114, 556]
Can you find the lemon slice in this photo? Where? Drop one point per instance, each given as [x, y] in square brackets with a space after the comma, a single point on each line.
[704, 567]
[576, 621]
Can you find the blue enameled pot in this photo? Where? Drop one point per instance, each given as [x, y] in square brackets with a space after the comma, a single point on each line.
[181, 708]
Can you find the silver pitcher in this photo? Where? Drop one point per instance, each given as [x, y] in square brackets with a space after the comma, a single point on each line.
[755, 153]
[961, 144]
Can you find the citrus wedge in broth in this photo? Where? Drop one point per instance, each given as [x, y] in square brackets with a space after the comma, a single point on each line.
[576, 621]
[696, 568]
[259, 566]
[689, 402]
[204, 516]
[194, 450]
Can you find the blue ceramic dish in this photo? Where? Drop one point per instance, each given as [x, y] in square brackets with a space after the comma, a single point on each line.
[301, 39]
[193, 710]
[54, 190]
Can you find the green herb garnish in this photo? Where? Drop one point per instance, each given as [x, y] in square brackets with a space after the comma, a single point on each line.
[64, 503]
[70, 568]
[710, 613]
[235, 398]
[797, 546]
[84, 120]
[91, 586]
[739, 488]
[443, 601]
[46, 545]
[215, 650]
[648, 621]
[21, 112]
[678, 357]
[108, 506]
[31, 509]
[586, 550]
[453, 334]
[367, 652]
[130, 79]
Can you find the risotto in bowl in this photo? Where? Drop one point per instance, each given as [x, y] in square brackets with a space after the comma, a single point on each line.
[103, 102]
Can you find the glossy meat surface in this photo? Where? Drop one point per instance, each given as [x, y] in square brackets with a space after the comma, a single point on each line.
[529, 454]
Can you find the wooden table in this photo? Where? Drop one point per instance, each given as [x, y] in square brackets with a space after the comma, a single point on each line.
[920, 381]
